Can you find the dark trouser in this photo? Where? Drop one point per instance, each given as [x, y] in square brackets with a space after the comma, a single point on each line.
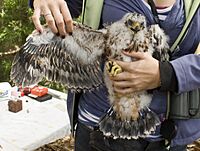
[88, 140]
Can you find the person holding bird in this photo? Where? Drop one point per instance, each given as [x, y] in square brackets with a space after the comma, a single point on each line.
[142, 73]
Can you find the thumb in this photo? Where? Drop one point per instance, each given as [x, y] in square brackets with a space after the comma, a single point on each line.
[124, 65]
[136, 55]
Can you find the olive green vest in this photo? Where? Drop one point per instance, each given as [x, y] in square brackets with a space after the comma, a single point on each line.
[91, 12]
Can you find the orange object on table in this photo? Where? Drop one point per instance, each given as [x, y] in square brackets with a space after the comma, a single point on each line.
[39, 91]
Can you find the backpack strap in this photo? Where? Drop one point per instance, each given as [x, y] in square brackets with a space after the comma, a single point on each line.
[91, 12]
[197, 52]
[187, 6]
[191, 6]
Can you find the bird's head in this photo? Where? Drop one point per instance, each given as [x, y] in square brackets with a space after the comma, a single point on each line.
[121, 35]
[135, 21]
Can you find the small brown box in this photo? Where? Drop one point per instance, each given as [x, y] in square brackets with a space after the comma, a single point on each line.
[15, 106]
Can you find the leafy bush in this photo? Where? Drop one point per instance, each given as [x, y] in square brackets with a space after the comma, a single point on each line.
[15, 26]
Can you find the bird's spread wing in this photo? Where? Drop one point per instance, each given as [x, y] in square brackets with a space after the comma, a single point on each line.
[73, 61]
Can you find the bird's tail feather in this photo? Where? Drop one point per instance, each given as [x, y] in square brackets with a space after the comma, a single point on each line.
[114, 127]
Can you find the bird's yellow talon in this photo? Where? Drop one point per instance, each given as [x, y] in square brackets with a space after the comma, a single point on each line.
[113, 68]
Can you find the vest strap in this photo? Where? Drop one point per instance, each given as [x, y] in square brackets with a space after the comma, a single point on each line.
[91, 12]
[191, 6]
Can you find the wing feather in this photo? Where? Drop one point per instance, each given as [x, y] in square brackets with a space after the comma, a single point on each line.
[72, 61]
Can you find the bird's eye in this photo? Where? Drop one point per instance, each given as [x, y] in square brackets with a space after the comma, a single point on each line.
[129, 23]
[142, 24]
[135, 26]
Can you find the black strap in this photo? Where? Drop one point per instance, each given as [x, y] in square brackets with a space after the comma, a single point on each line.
[83, 11]
[154, 11]
[168, 128]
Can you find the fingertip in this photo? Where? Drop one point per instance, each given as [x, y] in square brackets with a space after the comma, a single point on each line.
[69, 26]
[63, 36]
[57, 34]
[67, 18]
[37, 23]
[55, 30]
[70, 33]
[39, 29]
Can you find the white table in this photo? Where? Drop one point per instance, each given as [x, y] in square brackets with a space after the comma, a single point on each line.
[37, 124]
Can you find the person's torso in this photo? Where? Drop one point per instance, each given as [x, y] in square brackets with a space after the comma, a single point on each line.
[95, 103]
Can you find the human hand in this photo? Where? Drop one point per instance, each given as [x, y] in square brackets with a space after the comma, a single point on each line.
[56, 14]
[142, 74]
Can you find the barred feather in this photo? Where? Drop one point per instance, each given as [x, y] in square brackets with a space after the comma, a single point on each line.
[72, 61]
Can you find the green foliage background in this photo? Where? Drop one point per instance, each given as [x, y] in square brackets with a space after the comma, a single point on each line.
[15, 26]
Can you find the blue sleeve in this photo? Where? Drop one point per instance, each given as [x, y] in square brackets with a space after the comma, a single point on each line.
[187, 70]
[75, 7]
